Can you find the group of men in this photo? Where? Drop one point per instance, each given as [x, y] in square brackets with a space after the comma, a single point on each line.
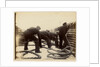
[34, 34]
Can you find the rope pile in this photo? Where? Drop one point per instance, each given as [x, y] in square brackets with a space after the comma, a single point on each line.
[60, 54]
[31, 51]
[55, 54]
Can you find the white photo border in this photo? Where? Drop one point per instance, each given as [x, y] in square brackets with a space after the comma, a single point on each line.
[21, 9]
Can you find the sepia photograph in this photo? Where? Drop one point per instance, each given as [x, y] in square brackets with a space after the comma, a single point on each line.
[45, 36]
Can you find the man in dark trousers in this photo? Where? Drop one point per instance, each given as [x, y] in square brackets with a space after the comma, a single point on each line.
[45, 36]
[32, 34]
[62, 32]
[48, 36]
[54, 37]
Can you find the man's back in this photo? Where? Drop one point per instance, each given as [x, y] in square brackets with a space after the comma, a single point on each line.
[31, 31]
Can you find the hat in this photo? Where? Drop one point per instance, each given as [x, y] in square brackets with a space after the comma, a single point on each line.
[38, 27]
[65, 23]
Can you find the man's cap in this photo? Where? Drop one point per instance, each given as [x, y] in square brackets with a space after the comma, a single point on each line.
[65, 23]
[38, 27]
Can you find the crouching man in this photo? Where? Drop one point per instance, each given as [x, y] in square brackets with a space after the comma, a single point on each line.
[48, 36]
[32, 34]
[45, 36]
[54, 37]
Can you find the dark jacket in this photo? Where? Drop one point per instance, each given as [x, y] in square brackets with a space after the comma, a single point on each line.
[50, 35]
[29, 33]
[44, 34]
[62, 30]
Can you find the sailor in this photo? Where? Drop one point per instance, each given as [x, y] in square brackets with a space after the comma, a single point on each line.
[62, 30]
[54, 37]
[32, 34]
[45, 36]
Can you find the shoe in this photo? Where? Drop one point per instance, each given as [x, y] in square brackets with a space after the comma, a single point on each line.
[37, 52]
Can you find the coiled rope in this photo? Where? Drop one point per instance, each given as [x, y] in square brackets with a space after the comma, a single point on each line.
[60, 54]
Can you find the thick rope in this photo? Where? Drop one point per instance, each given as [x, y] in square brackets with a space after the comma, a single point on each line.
[26, 52]
[61, 54]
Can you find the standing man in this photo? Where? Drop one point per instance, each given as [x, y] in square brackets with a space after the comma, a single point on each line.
[32, 34]
[62, 32]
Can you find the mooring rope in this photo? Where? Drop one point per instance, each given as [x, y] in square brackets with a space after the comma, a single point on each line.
[31, 51]
[60, 54]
